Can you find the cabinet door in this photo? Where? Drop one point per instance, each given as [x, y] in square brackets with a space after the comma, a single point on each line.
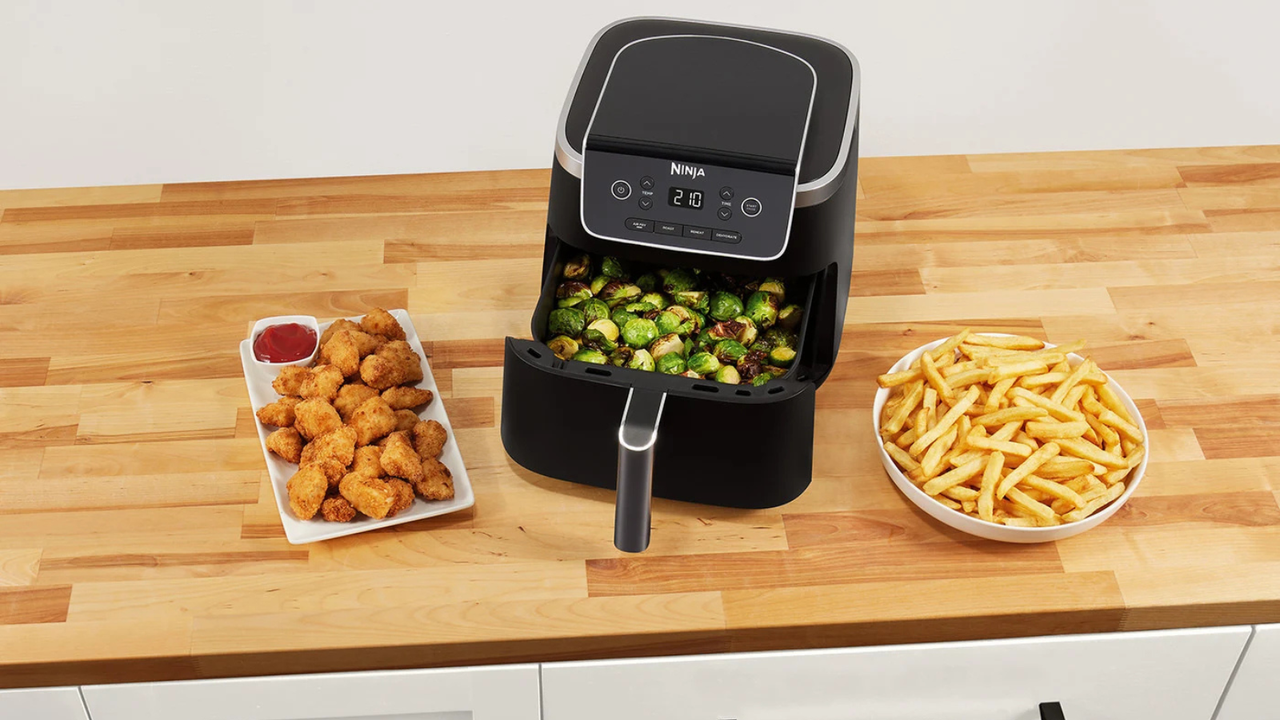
[508, 692]
[62, 703]
[1252, 695]
[1171, 675]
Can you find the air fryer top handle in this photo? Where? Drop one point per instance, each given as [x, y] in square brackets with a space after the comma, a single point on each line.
[637, 435]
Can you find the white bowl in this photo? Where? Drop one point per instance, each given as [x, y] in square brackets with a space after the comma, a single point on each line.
[264, 323]
[991, 531]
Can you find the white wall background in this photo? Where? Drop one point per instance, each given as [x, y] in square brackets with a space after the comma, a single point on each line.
[137, 91]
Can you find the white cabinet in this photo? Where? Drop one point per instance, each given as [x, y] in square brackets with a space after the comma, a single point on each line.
[508, 692]
[1171, 675]
[61, 703]
[1252, 695]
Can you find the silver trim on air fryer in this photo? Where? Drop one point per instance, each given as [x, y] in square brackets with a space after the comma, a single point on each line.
[786, 239]
[656, 421]
[807, 194]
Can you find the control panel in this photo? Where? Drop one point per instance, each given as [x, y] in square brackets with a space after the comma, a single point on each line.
[685, 206]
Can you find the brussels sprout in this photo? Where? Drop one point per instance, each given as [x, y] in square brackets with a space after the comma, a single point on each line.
[670, 364]
[782, 356]
[566, 321]
[594, 310]
[641, 360]
[688, 347]
[679, 280]
[729, 351]
[640, 308]
[728, 374]
[727, 330]
[725, 306]
[621, 356]
[563, 346]
[598, 340]
[774, 287]
[598, 283]
[789, 317]
[703, 363]
[657, 299]
[590, 355]
[605, 327]
[774, 370]
[762, 308]
[571, 293]
[761, 379]
[777, 336]
[622, 316]
[620, 295]
[669, 344]
[690, 322]
[578, 268]
[612, 267]
[668, 322]
[648, 282]
[751, 364]
[762, 345]
[700, 320]
[639, 333]
[691, 374]
[692, 299]
[747, 335]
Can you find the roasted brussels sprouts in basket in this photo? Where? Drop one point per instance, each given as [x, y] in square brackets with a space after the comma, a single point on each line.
[676, 321]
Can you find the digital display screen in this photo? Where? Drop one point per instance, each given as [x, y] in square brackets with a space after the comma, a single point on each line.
[685, 198]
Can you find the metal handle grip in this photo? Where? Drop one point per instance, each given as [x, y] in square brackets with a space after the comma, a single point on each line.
[637, 435]
[1051, 711]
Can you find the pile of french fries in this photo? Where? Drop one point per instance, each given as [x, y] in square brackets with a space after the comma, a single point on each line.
[1003, 429]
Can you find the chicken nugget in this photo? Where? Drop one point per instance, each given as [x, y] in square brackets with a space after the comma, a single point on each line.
[350, 397]
[337, 326]
[404, 496]
[322, 382]
[338, 444]
[394, 364]
[316, 417]
[436, 482]
[429, 438]
[306, 489]
[289, 381]
[279, 413]
[337, 509]
[342, 353]
[367, 344]
[332, 469]
[380, 322]
[370, 495]
[372, 421]
[405, 420]
[287, 443]
[400, 460]
[368, 461]
[402, 398]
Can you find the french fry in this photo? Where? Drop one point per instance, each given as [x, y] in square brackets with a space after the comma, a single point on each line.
[997, 394]
[945, 423]
[931, 376]
[959, 367]
[1027, 467]
[1124, 427]
[1006, 431]
[1035, 381]
[931, 463]
[1076, 376]
[949, 346]
[1009, 371]
[1103, 435]
[1052, 430]
[965, 457]
[961, 493]
[1091, 452]
[1113, 402]
[1011, 342]
[949, 502]
[1038, 509]
[1008, 448]
[915, 393]
[895, 379]
[954, 477]
[1053, 489]
[967, 378]
[1096, 504]
[902, 457]
[905, 439]
[930, 405]
[1056, 410]
[1019, 522]
[968, 507]
[1064, 467]
[1019, 414]
[963, 426]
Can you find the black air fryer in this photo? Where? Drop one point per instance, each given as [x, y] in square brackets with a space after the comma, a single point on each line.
[729, 149]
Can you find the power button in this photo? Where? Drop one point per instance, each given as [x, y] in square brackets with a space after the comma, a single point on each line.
[621, 189]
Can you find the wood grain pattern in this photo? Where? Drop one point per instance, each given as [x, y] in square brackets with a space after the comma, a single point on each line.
[140, 540]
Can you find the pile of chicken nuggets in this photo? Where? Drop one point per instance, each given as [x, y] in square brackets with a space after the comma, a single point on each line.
[351, 426]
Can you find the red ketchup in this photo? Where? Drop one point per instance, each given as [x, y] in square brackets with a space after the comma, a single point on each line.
[284, 343]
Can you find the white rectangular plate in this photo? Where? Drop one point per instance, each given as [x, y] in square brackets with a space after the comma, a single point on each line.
[259, 377]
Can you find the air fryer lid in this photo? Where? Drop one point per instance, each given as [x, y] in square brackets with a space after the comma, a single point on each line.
[706, 99]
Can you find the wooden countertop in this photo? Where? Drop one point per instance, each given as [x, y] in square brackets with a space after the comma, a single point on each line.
[139, 539]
